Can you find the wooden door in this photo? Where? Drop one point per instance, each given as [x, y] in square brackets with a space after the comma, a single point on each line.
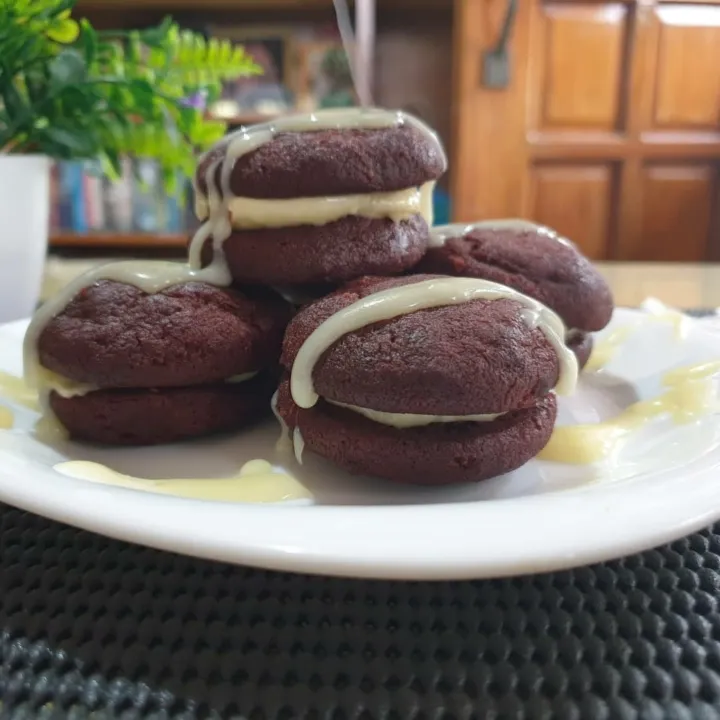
[609, 130]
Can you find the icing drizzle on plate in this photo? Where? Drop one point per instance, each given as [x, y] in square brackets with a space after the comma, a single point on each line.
[688, 396]
[256, 482]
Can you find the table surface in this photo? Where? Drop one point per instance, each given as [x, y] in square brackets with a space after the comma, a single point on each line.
[676, 284]
[96, 628]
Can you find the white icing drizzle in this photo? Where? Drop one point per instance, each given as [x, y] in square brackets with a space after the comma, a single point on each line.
[427, 192]
[148, 276]
[257, 481]
[405, 299]
[217, 225]
[283, 444]
[287, 443]
[298, 445]
[440, 234]
[411, 420]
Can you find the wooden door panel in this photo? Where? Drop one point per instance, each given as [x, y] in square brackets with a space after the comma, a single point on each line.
[677, 207]
[488, 154]
[687, 90]
[609, 129]
[570, 91]
[576, 200]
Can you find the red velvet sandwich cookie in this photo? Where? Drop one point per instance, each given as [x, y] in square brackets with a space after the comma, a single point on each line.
[319, 198]
[425, 379]
[533, 260]
[141, 353]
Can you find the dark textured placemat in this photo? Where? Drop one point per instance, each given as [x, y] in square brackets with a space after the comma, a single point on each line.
[96, 628]
[91, 624]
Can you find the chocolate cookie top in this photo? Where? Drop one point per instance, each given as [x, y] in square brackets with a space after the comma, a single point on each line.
[113, 335]
[329, 162]
[535, 262]
[479, 356]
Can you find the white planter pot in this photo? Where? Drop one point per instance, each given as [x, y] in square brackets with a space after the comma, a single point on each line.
[24, 228]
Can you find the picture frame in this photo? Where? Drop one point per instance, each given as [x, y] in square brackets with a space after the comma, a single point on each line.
[323, 78]
[265, 95]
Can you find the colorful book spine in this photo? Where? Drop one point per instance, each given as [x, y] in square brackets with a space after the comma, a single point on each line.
[72, 213]
[147, 203]
[92, 193]
[117, 200]
[82, 200]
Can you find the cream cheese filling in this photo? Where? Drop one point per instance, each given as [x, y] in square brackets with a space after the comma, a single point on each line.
[411, 420]
[49, 381]
[253, 213]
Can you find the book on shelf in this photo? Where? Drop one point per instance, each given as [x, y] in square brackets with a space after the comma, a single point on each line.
[83, 201]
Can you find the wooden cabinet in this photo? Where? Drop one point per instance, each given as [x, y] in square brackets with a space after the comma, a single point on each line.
[609, 129]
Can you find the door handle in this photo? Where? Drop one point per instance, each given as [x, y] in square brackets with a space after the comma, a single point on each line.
[496, 61]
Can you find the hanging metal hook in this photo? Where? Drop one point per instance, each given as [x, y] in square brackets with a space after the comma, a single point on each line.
[496, 62]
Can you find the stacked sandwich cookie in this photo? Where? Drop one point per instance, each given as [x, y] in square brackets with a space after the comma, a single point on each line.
[532, 259]
[428, 380]
[123, 366]
[323, 198]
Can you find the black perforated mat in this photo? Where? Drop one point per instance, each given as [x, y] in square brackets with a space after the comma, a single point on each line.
[96, 628]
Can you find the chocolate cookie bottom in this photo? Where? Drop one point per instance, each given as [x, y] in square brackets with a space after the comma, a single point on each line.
[437, 454]
[332, 253]
[156, 416]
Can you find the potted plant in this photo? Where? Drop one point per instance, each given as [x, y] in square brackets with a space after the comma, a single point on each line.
[68, 91]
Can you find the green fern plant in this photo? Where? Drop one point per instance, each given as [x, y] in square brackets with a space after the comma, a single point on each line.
[70, 92]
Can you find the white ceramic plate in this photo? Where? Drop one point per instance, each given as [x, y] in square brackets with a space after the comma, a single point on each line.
[542, 517]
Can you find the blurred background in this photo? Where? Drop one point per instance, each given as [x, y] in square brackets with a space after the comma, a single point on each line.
[600, 119]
